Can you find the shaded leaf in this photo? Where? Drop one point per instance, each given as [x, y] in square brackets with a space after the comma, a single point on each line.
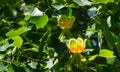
[118, 46]
[109, 38]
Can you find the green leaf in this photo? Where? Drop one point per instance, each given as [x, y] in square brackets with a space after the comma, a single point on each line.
[17, 41]
[32, 49]
[109, 38]
[40, 21]
[17, 32]
[102, 1]
[33, 64]
[58, 6]
[106, 53]
[17, 63]
[82, 2]
[33, 11]
[5, 46]
[69, 12]
[22, 23]
[3, 68]
[2, 56]
[10, 68]
[109, 21]
[110, 60]
[118, 46]
[92, 57]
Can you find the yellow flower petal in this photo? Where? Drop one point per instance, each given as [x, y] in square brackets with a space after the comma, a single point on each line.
[76, 45]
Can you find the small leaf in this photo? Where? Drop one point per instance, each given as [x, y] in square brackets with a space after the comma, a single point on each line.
[40, 21]
[17, 32]
[3, 68]
[92, 57]
[2, 56]
[22, 23]
[106, 53]
[58, 6]
[17, 41]
[5, 46]
[109, 21]
[33, 64]
[32, 49]
[31, 11]
[102, 1]
[82, 2]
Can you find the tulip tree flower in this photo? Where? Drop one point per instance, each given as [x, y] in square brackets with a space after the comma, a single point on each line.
[76, 45]
[65, 22]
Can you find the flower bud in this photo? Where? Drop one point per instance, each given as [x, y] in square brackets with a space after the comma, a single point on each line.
[65, 22]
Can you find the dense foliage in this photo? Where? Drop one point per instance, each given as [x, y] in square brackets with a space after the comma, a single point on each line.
[34, 34]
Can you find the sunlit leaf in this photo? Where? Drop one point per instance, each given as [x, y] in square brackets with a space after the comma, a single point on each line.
[83, 2]
[58, 6]
[5, 46]
[109, 21]
[40, 21]
[102, 1]
[2, 56]
[32, 49]
[22, 23]
[106, 53]
[17, 32]
[33, 11]
[3, 68]
[33, 64]
[17, 41]
[92, 57]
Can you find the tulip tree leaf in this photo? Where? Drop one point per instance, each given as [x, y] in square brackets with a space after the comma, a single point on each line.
[82, 2]
[5, 46]
[102, 1]
[109, 38]
[40, 21]
[92, 57]
[17, 32]
[17, 41]
[106, 53]
[58, 6]
[109, 21]
[33, 11]
[33, 64]
[3, 68]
